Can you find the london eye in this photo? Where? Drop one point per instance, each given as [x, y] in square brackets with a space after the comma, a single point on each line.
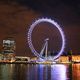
[45, 46]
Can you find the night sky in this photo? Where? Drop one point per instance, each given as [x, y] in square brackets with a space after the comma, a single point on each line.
[16, 16]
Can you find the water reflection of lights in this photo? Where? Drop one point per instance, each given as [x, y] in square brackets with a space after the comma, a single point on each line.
[76, 71]
[46, 72]
[58, 72]
[6, 71]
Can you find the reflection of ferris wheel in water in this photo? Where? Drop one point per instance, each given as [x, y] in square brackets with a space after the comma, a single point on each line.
[45, 47]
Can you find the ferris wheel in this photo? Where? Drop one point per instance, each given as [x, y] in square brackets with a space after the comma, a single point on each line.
[40, 55]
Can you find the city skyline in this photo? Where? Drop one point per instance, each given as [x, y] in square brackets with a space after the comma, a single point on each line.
[16, 18]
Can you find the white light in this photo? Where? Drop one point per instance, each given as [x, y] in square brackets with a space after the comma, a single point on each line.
[59, 71]
[30, 35]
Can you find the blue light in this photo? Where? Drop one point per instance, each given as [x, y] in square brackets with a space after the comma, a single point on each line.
[58, 72]
[30, 35]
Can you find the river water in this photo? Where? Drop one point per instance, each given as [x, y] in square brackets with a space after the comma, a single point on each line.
[39, 72]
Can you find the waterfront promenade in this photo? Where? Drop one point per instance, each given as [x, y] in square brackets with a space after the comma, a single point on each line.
[61, 59]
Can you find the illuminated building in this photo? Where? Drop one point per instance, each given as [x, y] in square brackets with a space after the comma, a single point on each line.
[9, 49]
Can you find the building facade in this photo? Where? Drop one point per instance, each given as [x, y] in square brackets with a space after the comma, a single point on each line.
[9, 47]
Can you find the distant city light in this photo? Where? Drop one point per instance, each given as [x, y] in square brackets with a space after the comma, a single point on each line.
[30, 36]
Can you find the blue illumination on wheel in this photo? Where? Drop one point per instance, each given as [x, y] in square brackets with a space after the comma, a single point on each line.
[30, 36]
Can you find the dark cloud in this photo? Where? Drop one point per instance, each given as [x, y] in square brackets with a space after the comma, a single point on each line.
[14, 22]
[45, 5]
[67, 11]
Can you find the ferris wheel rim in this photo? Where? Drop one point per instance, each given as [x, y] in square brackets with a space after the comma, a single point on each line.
[30, 36]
